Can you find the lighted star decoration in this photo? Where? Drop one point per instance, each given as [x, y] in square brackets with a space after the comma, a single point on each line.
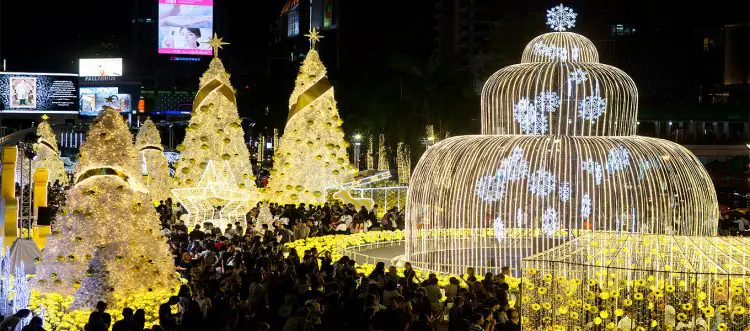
[314, 37]
[561, 18]
[216, 43]
[45, 117]
[217, 189]
[110, 99]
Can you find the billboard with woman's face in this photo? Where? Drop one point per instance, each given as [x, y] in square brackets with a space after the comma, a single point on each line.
[185, 26]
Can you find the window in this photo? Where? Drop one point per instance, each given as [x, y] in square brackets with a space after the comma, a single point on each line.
[621, 30]
[293, 21]
[328, 17]
[708, 44]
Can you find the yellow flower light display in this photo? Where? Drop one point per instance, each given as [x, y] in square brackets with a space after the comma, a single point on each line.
[625, 263]
[312, 152]
[107, 237]
[557, 158]
[154, 164]
[215, 131]
[48, 156]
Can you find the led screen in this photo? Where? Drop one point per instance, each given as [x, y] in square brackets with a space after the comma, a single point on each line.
[100, 67]
[185, 26]
[22, 92]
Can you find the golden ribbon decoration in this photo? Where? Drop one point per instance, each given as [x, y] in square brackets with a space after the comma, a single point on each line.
[213, 85]
[309, 96]
[48, 144]
[103, 171]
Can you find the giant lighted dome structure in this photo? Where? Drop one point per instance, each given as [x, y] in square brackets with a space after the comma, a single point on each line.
[558, 157]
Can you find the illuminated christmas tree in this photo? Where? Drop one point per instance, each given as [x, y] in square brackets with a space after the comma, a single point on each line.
[369, 157]
[107, 214]
[48, 156]
[403, 163]
[264, 217]
[312, 152]
[382, 158]
[215, 130]
[153, 162]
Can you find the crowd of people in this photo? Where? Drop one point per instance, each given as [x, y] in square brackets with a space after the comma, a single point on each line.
[243, 278]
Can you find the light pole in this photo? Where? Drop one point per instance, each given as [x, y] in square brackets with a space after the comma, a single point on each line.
[357, 143]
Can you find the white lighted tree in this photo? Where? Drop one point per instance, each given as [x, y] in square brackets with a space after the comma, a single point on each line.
[312, 152]
[154, 164]
[215, 130]
[48, 156]
[107, 212]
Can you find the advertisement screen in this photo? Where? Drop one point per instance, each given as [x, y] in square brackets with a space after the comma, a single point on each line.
[87, 99]
[185, 26]
[100, 67]
[34, 92]
[93, 100]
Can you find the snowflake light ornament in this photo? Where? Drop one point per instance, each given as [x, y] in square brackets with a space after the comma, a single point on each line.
[530, 120]
[561, 18]
[594, 168]
[489, 189]
[618, 158]
[499, 226]
[586, 205]
[592, 107]
[542, 183]
[549, 222]
[547, 101]
[514, 167]
[578, 76]
[563, 192]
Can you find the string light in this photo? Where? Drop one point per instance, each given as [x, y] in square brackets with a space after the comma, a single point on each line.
[108, 212]
[148, 145]
[261, 149]
[312, 153]
[215, 131]
[551, 127]
[48, 156]
[403, 158]
[382, 157]
[561, 18]
[216, 188]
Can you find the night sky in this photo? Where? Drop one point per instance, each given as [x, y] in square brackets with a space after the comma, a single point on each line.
[52, 35]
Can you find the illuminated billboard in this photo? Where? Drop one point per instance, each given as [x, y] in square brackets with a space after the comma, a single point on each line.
[93, 100]
[185, 26]
[24, 92]
[100, 67]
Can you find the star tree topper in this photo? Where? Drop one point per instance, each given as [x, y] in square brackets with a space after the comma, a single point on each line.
[216, 43]
[314, 37]
[561, 18]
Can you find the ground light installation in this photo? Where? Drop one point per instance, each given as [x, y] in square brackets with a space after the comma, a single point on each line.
[558, 169]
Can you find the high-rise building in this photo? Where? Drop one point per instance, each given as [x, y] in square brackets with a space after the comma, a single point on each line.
[463, 28]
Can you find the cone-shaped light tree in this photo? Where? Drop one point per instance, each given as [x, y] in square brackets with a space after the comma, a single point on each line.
[106, 214]
[264, 217]
[312, 151]
[215, 130]
[151, 155]
[48, 156]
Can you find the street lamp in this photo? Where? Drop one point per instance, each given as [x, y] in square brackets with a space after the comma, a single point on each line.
[357, 142]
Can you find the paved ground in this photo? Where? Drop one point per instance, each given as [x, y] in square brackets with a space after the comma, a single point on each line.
[381, 254]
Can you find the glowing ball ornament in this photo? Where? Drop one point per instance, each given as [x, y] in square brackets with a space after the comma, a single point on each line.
[558, 156]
